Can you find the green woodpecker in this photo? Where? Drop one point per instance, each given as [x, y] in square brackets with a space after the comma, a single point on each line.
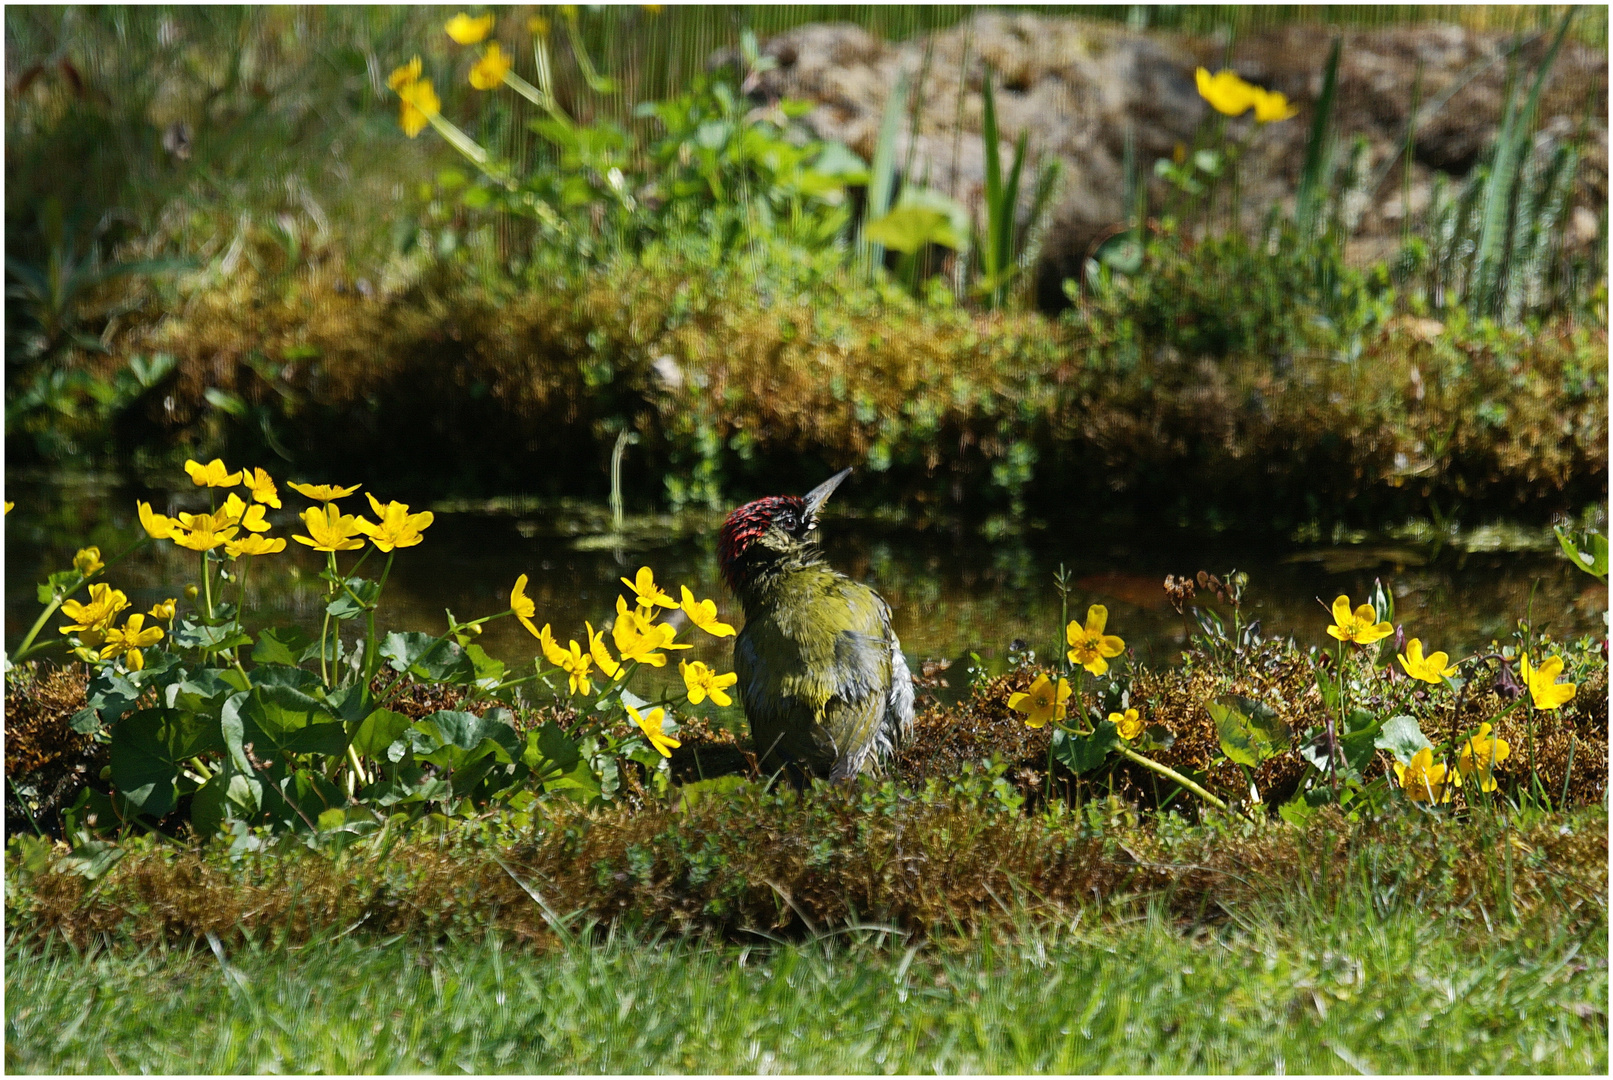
[821, 674]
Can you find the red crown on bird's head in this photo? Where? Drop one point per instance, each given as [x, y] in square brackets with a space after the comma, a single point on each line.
[745, 526]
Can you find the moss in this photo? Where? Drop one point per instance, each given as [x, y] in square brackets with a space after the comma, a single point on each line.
[736, 386]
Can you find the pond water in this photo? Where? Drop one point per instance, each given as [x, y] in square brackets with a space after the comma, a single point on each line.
[952, 590]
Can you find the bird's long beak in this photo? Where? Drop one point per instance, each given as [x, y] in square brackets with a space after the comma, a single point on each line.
[815, 498]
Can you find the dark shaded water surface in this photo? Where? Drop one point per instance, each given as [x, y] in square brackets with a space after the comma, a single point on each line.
[952, 589]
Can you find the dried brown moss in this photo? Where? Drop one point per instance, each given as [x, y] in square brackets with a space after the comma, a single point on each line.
[40, 702]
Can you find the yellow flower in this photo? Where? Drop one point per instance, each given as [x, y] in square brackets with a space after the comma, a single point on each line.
[213, 474]
[1042, 702]
[704, 682]
[99, 613]
[237, 512]
[202, 532]
[1480, 754]
[88, 560]
[1544, 688]
[1422, 780]
[1271, 106]
[1090, 647]
[254, 545]
[468, 31]
[1225, 92]
[398, 528]
[522, 605]
[648, 592]
[489, 71]
[9, 505]
[703, 613]
[322, 492]
[552, 651]
[406, 75]
[263, 489]
[575, 663]
[164, 610]
[129, 640]
[1362, 627]
[1430, 668]
[601, 655]
[330, 530]
[157, 526]
[419, 105]
[638, 639]
[651, 726]
[1129, 725]
[538, 26]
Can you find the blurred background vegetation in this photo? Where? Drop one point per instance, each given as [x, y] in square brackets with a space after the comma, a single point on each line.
[253, 259]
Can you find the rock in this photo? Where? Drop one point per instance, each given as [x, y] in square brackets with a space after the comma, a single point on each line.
[1077, 86]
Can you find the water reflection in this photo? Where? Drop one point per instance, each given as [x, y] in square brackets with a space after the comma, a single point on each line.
[952, 591]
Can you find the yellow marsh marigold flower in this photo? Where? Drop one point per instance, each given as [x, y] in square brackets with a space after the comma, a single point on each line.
[703, 613]
[213, 474]
[9, 505]
[552, 651]
[1129, 724]
[99, 613]
[202, 532]
[1422, 780]
[651, 726]
[1479, 755]
[601, 655]
[1430, 669]
[490, 70]
[397, 528]
[1091, 647]
[1362, 627]
[1271, 106]
[322, 492]
[254, 545]
[330, 530]
[1225, 92]
[638, 639]
[538, 26]
[702, 682]
[406, 75]
[88, 560]
[648, 592]
[418, 106]
[263, 489]
[1042, 702]
[164, 610]
[468, 31]
[575, 663]
[129, 640]
[522, 605]
[157, 526]
[237, 512]
[1544, 688]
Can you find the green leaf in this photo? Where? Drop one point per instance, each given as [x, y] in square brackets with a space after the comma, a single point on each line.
[426, 657]
[1401, 736]
[111, 694]
[146, 752]
[488, 671]
[550, 750]
[1250, 731]
[227, 796]
[1083, 753]
[281, 645]
[282, 675]
[466, 737]
[86, 722]
[1296, 811]
[921, 217]
[379, 730]
[1589, 554]
[346, 607]
[200, 691]
[284, 720]
[192, 635]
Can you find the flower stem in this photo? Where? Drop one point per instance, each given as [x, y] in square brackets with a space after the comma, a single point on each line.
[1171, 774]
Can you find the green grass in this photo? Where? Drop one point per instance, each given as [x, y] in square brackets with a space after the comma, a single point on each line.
[1336, 993]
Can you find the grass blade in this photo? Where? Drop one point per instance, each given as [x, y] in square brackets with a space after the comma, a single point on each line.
[883, 176]
[1312, 177]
